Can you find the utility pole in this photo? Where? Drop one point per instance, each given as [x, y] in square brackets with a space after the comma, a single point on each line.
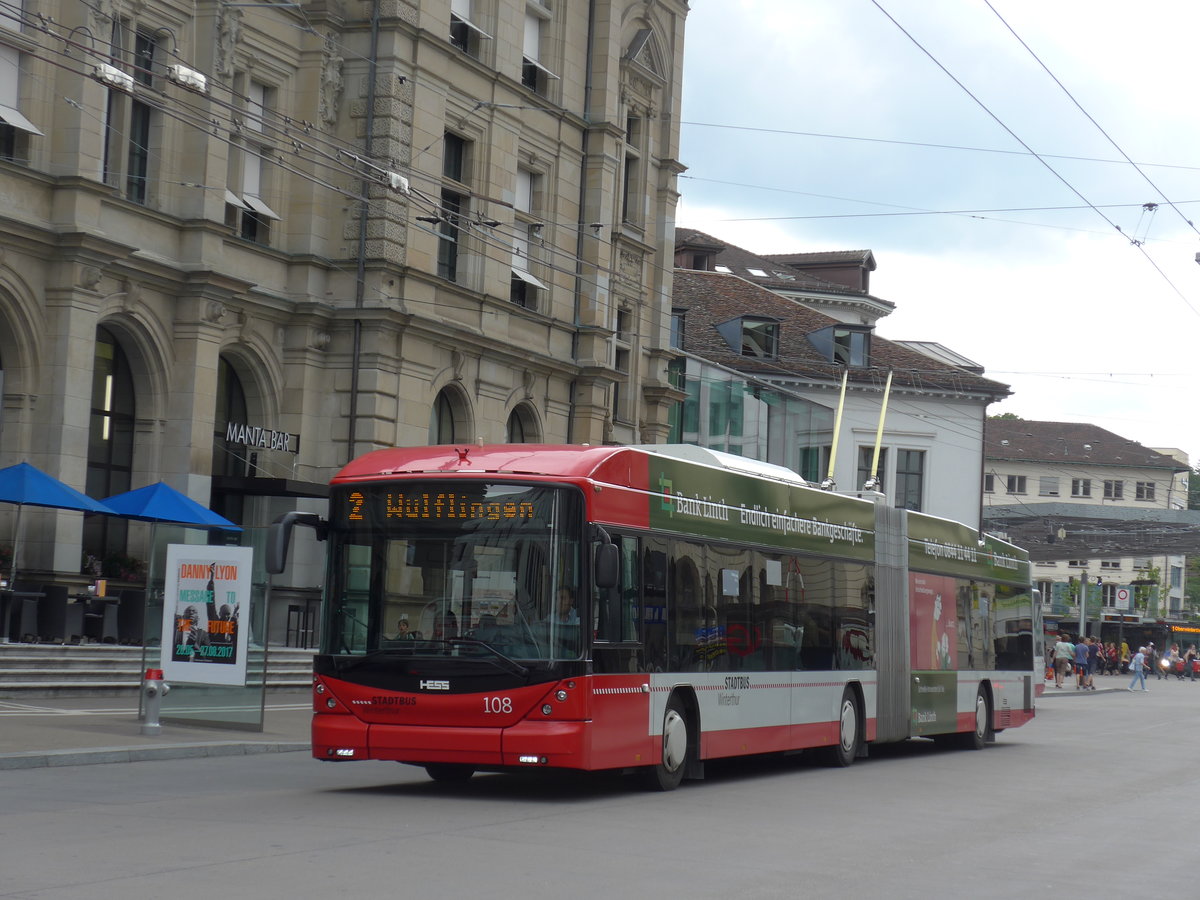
[1083, 583]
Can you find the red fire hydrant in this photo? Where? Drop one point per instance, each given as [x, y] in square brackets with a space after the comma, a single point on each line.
[154, 689]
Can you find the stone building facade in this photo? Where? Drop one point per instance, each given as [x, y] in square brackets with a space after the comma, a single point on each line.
[243, 243]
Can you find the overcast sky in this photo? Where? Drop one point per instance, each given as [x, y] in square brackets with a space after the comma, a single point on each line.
[809, 124]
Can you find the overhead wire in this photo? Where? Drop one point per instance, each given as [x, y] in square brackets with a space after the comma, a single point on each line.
[1039, 158]
[1089, 117]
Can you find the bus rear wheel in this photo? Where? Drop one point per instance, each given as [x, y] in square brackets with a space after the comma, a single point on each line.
[843, 752]
[449, 773]
[667, 774]
[976, 739]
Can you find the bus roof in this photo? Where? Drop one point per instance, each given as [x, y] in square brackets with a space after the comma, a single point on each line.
[561, 460]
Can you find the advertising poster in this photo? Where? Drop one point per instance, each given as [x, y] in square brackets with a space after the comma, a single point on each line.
[206, 614]
[932, 625]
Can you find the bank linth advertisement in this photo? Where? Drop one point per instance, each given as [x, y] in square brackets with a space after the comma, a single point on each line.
[206, 614]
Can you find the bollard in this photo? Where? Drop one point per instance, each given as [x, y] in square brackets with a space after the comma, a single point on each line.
[155, 690]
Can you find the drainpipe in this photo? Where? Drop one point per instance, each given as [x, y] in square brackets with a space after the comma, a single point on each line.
[360, 285]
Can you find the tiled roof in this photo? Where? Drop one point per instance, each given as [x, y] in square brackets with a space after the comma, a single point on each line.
[1072, 442]
[744, 264]
[711, 298]
[862, 257]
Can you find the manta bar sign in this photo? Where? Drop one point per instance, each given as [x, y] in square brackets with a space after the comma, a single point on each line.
[263, 438]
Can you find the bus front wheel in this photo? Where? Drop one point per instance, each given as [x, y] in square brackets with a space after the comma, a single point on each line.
[667, 774]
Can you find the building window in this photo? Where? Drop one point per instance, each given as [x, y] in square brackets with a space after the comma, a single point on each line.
[229, 457]
[1108, 593]
[1081, 487]
[865, 455]
[455, 166]
[1047, 486]
[1145, 490]
[910, 478]
[522, 426]
[535, 75]
[455, 162]
[128, 122]
[1114, 490]
[842, 344]
[527, 231]
[1014, 484]
[465, 33]
[989, 483]
[1110, 564]
[15, 129]
[760, 339]
[448, 421]
[632, 177]
[813, 463]
[621, 391]
[110, 443]
[1176, 576]
[678, 326]
[247, 211]
[449, 234]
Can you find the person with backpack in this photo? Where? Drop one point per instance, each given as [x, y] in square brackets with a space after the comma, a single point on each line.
[1138, 667]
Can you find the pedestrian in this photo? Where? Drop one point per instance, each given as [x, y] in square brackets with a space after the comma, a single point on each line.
[1095, 661]
[1124, 657]
[1137, 666]
[1081, 664]
[1064, 654]
[1189, 662]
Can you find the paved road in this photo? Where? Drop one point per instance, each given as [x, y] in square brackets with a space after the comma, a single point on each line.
[1101, 789]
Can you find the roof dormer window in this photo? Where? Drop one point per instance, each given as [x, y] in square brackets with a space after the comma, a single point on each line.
[846, 345]
[754, 337]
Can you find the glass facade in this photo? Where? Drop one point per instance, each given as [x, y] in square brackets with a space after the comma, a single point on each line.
[727, 411]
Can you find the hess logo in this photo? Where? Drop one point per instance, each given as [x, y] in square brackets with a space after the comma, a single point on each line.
[435, 685]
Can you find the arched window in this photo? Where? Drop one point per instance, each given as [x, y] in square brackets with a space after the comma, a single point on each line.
[229, 458]
[443, 427]
[110, 443]
[522, 426]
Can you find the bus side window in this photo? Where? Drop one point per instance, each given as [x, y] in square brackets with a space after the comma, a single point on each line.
[618, 607]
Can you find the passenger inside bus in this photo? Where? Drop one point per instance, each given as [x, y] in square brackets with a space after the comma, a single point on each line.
[565, 613]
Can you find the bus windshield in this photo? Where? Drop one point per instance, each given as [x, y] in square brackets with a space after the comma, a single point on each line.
[437, 567]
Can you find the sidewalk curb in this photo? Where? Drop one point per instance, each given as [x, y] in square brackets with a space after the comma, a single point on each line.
[102, 755]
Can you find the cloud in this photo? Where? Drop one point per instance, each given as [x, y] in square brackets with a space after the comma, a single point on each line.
[1044, 298]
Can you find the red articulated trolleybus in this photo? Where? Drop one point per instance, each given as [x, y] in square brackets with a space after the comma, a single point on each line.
[647, 609]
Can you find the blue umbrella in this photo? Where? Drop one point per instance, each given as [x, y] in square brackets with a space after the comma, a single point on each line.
[160, 502]
[27, 485]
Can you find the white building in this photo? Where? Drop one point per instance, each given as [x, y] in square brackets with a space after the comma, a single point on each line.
[1085, 501]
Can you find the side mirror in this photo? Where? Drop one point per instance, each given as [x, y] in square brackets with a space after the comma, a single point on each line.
[279, 536]
[607, 566]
